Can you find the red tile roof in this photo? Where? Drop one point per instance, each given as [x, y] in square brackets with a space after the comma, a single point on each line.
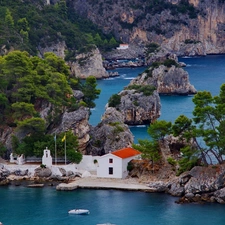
[126, 152]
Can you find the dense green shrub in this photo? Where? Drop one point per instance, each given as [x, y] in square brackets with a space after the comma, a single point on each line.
[25, 26]
[130, 166]
[170, 62]
[151, 48]
[189, 41]
[145, 89]
[114, 100]
[171, 161]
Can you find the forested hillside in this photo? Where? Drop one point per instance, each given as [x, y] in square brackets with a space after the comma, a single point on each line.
[184, 27]
[34, 95]
[30, 25]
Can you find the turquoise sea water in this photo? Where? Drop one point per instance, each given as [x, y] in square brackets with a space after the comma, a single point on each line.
[205, 73]
[28, 206]
[46, 206]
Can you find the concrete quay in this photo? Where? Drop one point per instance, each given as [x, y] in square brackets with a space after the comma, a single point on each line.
[104, 183]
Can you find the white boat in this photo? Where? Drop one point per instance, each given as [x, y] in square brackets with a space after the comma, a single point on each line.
[79, 211]
[105, 224]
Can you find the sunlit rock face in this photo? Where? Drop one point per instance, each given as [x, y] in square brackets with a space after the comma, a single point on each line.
[198, 31]
[167, 80]
[110, 134]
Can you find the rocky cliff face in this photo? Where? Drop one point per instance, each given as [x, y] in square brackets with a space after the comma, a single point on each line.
[110, 134]
[201, 184]
[191, 27]
[88, 64]
[85, 64]
[57, 48]
[166, 80]
[77, 122]
[138, 108]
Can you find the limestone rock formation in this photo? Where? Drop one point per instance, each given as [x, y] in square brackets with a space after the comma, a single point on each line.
[85, 64]
[57, 48]
[88, 64]
[138, 108]
[202, 184]
[205, 179]
[167, 80]
[77, 122]
[42, 172]
[194, 29]
[3, 173]
[110, 134]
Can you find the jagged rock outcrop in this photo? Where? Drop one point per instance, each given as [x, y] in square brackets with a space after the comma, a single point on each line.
[88, 64]
[200, 184]
[110, 134]
[203, 184]
[205, 179]
[138, 108]
[85, 64]
[36, 176]
[167, 80]
[4, 173]
[77, 122]
[42, 172]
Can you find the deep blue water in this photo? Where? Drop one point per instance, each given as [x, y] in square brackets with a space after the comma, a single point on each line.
[205, 73]
[46, 206]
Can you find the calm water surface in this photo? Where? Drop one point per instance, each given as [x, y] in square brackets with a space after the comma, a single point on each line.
[27, 206]
[46, 206]
[205, 73]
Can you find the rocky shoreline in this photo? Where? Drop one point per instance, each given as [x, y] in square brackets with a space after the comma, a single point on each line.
[201, 184]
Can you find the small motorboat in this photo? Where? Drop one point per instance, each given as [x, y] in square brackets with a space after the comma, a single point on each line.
[79, 211]
[105, 224]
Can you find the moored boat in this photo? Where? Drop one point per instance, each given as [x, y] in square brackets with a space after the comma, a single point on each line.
[105, 224]
[79, 211]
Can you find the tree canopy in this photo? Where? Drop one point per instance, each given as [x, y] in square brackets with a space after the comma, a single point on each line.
[203, 134]
[33, 145]
[29, 26]
[28, 84]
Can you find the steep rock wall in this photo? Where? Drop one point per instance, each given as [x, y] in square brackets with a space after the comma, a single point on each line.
[167, 80]
[137, 108]
[88, 64]
[110, 134]
[137, 23]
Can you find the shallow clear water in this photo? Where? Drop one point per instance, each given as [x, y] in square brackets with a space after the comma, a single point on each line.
[46, 206]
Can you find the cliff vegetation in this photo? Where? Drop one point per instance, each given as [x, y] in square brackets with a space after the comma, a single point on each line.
[30, 25]
[34, 95]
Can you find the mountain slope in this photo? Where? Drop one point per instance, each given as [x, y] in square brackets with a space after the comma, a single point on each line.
[186, 27]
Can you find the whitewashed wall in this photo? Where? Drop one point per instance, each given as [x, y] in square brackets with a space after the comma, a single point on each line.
[87, 163]
[103, 166]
